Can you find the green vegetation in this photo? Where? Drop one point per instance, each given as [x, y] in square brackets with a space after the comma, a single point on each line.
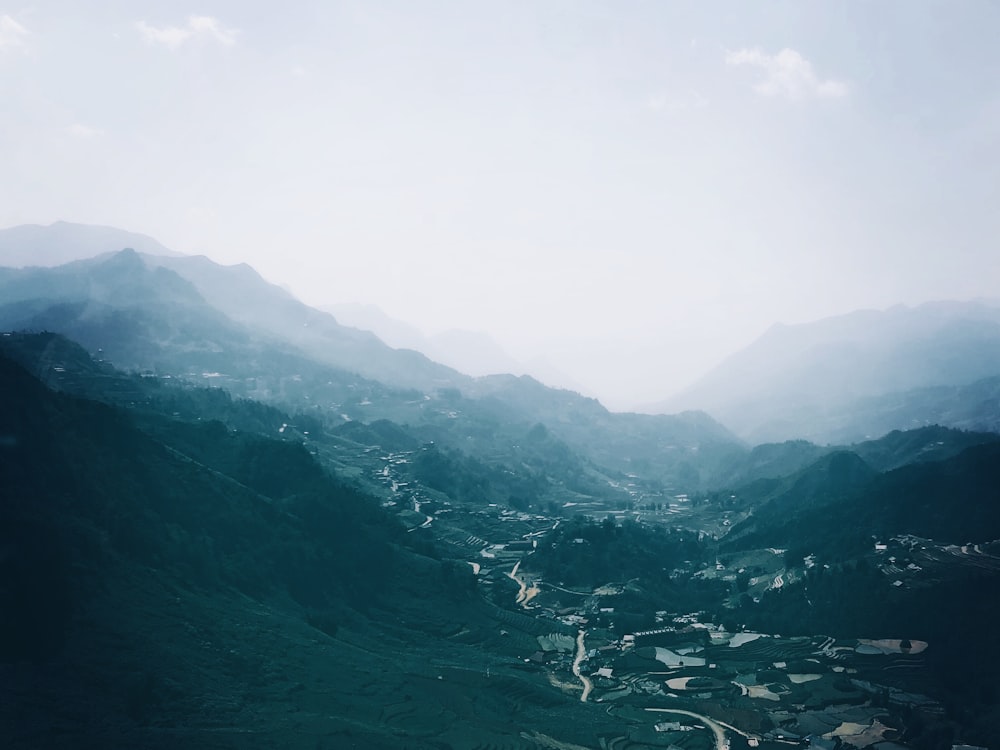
[839, 506]
[241, 542]
[585, 552]
[198, 584]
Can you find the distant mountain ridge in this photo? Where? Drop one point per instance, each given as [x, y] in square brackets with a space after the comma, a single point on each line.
[447, 360]
[63, 242]
[191, 317]
[858, 375]
[247, 298]
[474, 353]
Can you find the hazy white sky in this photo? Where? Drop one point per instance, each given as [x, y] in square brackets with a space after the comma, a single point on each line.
[632, 189]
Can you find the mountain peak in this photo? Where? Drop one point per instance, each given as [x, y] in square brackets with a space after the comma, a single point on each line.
[126, 257]
[811, 379]
[62, 242]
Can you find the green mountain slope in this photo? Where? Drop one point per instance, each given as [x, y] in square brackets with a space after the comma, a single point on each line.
[246, 298]
[259, 342]
[892, 450]
[840, 504]
[183, 584]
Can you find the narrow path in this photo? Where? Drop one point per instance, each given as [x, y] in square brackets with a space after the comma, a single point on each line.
[581, 653]
[428, 520]
[525, 593]
[721, 743]
[522, 586]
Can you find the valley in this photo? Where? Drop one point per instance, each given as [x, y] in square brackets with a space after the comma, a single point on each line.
[219, 534]
[519, 375]
[748, 689]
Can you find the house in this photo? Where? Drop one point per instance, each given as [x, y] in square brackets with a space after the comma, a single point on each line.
[672, 726]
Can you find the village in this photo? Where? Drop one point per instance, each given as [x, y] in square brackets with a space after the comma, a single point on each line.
[762, 690]
[687, 682]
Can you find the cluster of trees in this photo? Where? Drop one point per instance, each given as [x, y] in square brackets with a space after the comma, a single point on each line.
[469, 480]
[525, 478]
[585, 552]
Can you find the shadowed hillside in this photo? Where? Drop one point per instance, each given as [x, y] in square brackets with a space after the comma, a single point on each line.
[188, 585]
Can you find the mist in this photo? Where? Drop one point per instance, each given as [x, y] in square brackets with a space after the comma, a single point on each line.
[624, 195]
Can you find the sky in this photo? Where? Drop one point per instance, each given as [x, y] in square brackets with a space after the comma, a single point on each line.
[628, 190]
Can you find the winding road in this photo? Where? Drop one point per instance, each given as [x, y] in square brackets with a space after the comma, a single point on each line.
[721, 743]
[428, 520]
[523, 587]
[581, 653]
[525, 593]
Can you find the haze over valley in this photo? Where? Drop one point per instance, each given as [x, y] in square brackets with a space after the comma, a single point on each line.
[560, 376]
[630, 195]
[840, 379]
[193, 412]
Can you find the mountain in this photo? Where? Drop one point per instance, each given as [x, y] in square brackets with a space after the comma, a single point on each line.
[892, 450]
[237, 292]
[912, 552]
[975, 406]
[859, 375]
[179, 566]
[139, 317]
[143, 315]
[241, 294]
[471, 352]
[685, 449]
[62, 242]
[921, 445]
[166, 583]
[395, 333]
[193, 318]
[840, 503]
[780, 503]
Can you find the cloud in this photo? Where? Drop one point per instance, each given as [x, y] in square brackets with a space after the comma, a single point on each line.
[787, 74]
[198, 27]
[79, 130]
[12, 34]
